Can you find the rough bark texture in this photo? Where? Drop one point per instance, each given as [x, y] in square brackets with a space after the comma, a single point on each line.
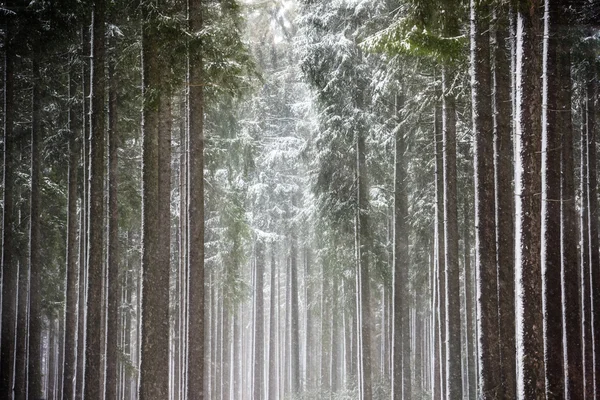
[35, 245]
[505, 208]
[453, 338]
[401, 382]
[83, 226]
[586, 321]
[70, 361]
[94, 347]
[9, 258]
[114, 280]
[550, 235]
[362, 259]
[570, 257]
[529, 316]
[259, 326]
[591, 97]
[154, 368]
[196, 213]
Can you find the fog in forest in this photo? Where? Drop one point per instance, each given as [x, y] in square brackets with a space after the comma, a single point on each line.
[300, 199]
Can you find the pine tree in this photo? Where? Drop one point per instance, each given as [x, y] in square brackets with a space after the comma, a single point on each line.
[485, 232]
[529, 316]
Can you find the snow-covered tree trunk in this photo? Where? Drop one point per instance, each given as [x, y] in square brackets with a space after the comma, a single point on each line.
[71, 246]
[259, 326]
[113, 257]
[569, 234]
[452, 275]
[401, 377]
[504, 175]
[550, 234]
[528, 278]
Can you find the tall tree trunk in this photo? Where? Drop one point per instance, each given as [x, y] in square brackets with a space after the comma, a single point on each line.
[196, 213]
[35, 245]
[440, 309]
[9, 256]
[362, 260]
[453, 338]
[401, 383]
[114, 281]
[591, 97]
[20, 386]
[84, 222]
[71, 257]
[550, 234]
[154, 368]
[570, 261]
[259, 321]
[504, 171]
[485, 226]
[469, 306]
[272, 329]
[295, 317]
[586, 289]
[528, 279]
[94, 384]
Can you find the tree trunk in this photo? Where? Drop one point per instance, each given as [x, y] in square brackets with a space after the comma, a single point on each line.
[362, 261]
[485, 227]
[529, 316]
[114, 281]
[70, 361]
[154, 368]
[440, 331]
[9, 256]
[570, 261]
[550, 234]
[94, 348]
[591, 97]
[586, 289]
[259, 319]
[272, 329]
[504, 170]
[453, 350]
[35, 245]
[84, 222]
[401, 382]
[196, 213]
[295, 318]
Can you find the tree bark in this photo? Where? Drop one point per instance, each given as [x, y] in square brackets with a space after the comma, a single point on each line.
[362, 260]
[295, 317]
[485, 226]
[9, 256]
[452, 275]
[35, 245]
[529, 315]
[196, 212]
[550, 234]
[401, 382]
[570, 261]
[70, 360]
[272, 395]
[591, 97]
[259, 319]
[114, 280]
[154, 368]
[504, 170]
